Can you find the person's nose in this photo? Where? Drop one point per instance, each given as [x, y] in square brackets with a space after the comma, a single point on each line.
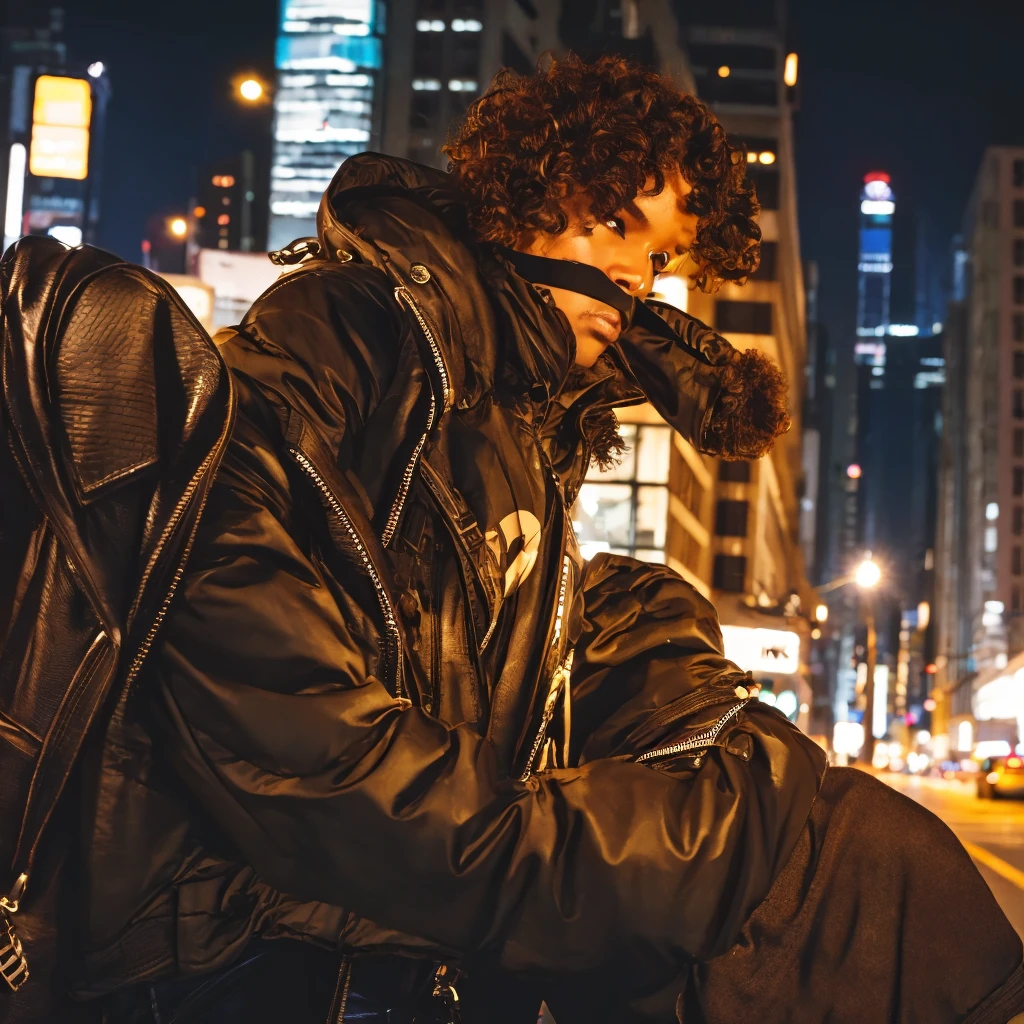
[636, 277]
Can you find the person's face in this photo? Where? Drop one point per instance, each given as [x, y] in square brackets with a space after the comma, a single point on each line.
[630, 248]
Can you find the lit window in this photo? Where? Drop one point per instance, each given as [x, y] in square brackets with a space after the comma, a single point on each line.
[625, 510]
[462, 85]
[466, 25]
[724, 71]
[430, 25]
[426, 84]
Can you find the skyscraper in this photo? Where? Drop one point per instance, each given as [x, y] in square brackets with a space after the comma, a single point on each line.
[874, 269]
[327, 105]
[981, 554]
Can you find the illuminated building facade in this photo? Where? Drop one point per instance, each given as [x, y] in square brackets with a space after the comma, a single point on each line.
[981, 537]
[444, 53]
[327, 105]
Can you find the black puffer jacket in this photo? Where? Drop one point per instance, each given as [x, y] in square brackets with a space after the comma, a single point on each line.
[360, 699]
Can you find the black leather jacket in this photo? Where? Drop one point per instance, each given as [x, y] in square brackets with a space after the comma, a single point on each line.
[392, 708]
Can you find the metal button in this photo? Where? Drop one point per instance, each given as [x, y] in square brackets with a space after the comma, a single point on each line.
[419, 273]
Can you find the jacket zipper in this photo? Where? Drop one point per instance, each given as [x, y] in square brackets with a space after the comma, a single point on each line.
[701, 741]
[559, 678]
[393, 643]
[179, 511]
[403, 295]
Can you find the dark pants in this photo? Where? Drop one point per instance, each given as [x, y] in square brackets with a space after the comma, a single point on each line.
[879, 915]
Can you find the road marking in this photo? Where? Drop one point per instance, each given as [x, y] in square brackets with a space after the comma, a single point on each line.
[994, 863]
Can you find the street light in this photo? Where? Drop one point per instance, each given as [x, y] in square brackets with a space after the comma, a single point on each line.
[868, 574]
[250, 89]
[178, 227]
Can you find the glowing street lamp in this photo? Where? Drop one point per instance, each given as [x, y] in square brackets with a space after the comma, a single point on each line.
[251, 90]
[868, 574]
[178, 227]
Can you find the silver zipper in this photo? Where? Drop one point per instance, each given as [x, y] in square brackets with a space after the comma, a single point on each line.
[402, 294]
[559, 678]
[701, 741]
[394, 643]
[179, 511]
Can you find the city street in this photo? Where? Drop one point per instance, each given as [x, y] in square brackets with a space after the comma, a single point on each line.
[991, 830]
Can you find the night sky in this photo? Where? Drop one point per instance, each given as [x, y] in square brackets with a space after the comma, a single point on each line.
[916, 89]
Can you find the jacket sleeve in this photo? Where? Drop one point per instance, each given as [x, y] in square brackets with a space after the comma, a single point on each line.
[724, 401]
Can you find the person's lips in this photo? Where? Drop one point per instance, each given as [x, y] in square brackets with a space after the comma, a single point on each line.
[607, 324]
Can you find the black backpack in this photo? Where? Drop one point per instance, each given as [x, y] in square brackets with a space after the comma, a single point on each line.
[115, 411]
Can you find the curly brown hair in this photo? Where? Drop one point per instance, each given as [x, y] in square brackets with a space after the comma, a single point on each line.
[530, 143]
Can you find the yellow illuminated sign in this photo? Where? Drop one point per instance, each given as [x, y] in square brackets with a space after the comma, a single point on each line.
[61, 116]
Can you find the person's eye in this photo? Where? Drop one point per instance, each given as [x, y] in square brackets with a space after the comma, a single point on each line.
[660, 261]
[618, 225]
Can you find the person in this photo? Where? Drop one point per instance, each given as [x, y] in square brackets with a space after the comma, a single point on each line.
[399, 753]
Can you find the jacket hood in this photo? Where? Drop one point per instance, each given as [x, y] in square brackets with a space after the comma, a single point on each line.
[396, 215]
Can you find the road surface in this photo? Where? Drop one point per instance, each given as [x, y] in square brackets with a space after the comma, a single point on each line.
[991, 830]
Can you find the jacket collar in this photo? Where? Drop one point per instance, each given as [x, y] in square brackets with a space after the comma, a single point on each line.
[410, 221]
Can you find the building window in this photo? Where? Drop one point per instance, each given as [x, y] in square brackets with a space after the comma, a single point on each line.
[1018, 326]
[1016, 560]
[1018, 291]
[1018, 252]
[731, 518]
[1018, 405]
[1018, 364]
[1018, 442]
[1015, 599]
[1018, 213]
[730, 573]
[766, 268]
[734, 472]
[1018, 173]
[1018, 481]
[743, 317]
[625, 510]
[1018, 520]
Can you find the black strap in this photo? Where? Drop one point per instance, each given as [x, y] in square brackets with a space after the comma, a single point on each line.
[573, 277]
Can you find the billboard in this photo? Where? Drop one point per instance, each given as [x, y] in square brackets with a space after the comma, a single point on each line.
[762, 650]
[61, 115]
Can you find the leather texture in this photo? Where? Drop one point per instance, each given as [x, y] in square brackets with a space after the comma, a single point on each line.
[83, 334]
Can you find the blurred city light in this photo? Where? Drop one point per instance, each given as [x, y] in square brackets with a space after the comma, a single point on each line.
[853, 471]
[924, 615]
[767, 157]
[991, 511]
[790, 71]
[821, 613]
[15, 211]
[847, 738]
[815, 633]
[96, 69]
[868, 574]
[250, 89]
[178, 227]
[724, 71]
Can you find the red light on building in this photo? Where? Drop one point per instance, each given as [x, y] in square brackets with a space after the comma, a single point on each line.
[931, 669]
[929, 704]
[853, 471]
[877, 176]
